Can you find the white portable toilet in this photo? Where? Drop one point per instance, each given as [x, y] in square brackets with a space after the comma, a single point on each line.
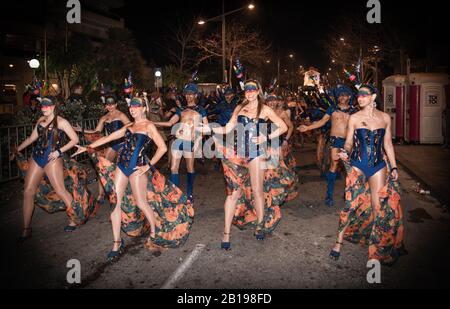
[394, 98]
[427, 103]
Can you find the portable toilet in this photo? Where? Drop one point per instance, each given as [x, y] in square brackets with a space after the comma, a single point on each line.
[427, 103]
[394, 98]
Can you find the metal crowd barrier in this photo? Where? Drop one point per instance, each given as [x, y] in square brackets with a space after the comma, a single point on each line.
[10, 136]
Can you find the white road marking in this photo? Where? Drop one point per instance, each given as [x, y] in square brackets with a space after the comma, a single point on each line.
[183, 268]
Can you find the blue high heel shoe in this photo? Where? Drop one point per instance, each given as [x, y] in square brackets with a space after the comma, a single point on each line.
[114, 255]
[25, 236]
[70, 228]
[259, 233]
[335, 255]
[225, 245]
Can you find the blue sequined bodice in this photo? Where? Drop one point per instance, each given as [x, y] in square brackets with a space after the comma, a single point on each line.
[253, 128]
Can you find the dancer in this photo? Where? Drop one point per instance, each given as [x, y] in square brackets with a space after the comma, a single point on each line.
[224, 109]
[152, 195]
[372, 214]
[339, 116]
[188, 140]
[47, 160]
[280, 108]
[113, 121]
[245, 171]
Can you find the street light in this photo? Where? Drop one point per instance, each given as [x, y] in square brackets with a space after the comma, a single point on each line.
[221, 17]
[34, 64]
[158, 79]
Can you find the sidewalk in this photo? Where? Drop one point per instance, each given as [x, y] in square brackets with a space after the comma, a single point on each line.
[431, 165]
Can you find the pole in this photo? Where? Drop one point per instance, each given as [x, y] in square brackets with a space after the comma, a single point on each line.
[225, 79]
[278, 68]
[45, 55]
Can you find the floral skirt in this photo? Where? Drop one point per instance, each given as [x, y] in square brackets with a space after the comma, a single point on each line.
[75, 180]
[174, 213]
[276, 181]
[291, 165]
[381, 229]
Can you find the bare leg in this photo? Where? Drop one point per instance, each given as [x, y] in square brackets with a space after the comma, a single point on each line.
[340, 237]
[110, 155]
[120, 184]
[175, 162]
[139, 187]
[190, 161]
[33, 178]
[376, 183]
[320, 149]
[55, 173]
[257, 183]
[230, 210]
[175, 167]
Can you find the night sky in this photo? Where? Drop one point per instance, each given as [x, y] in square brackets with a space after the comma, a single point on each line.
[297, 26]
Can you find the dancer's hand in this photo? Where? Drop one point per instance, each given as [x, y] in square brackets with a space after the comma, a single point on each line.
[394, 174]
[141, 170]
[343, 155]
[14, 153]
[77, 128]
[259, 140]
[53, 156]
[302, 129]
[80, 150]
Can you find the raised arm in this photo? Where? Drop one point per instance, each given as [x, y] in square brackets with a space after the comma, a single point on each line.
[98, 129]
[170, 123]
[30, 140]
[315, 125]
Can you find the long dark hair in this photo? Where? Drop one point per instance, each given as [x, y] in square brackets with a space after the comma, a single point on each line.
[261, 101]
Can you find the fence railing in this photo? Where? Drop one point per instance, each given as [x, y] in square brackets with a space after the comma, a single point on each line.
[12, 136]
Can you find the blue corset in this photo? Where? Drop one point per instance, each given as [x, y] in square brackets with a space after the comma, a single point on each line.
[112, 127]
[367, 154]
[44, 145]
[133, 152]
[244, 144]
